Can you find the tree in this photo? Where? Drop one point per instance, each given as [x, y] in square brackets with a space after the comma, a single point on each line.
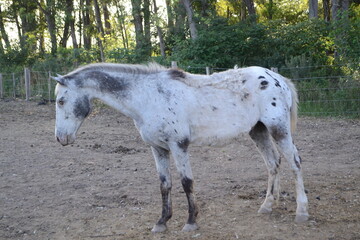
[313, 9]
[141, 20]
[27, 26]
[4, 35]
[326, 7]
[86, 23]
[69, 26]
[339, 9]
[159, 31]
[190, 16]
[120, 15]
[250, 6]
[101, 33]
[49, 11]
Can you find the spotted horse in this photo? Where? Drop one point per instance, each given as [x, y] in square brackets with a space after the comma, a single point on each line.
[172, 109]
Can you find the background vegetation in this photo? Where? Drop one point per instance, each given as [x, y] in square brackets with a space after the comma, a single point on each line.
[305, 39]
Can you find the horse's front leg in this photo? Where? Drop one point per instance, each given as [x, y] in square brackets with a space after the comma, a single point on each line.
[181, 157]
[162, 165]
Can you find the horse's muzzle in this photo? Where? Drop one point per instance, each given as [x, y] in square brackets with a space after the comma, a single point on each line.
[65, 139]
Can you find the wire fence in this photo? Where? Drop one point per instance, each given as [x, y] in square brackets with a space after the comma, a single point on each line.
[323, 90]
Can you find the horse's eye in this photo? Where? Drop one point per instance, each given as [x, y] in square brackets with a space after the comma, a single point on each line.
[61, 102]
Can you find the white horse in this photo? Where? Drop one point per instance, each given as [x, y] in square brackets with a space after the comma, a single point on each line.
[172, 109]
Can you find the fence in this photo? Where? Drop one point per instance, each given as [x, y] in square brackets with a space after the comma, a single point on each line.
[323, 90]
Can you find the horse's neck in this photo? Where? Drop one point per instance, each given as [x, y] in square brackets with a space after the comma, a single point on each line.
[118, 101]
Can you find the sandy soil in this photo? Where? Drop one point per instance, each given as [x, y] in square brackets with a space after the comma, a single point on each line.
[105, 186]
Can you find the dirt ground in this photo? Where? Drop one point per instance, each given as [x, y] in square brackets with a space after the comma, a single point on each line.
[105, 186]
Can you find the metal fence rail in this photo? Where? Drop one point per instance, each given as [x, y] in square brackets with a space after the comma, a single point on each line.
[323, 90]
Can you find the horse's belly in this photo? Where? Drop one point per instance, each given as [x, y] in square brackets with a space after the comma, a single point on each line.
[218, 127]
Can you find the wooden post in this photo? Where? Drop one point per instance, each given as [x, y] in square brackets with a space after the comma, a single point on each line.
[49, 86]
[1, 87]
[27, 83]
[275, 69]
[174, 64]
[207, 70]
[14, 85]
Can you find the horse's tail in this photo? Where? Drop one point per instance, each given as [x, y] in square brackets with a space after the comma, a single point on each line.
[294, 104]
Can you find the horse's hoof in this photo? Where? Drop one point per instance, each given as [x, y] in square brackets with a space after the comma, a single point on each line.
[301, 218]
[190, 227]
[264, 210]
[159, 228]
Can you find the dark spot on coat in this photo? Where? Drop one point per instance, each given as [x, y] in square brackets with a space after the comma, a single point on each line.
[213, 108]
[272, 189]
[261, 77]
[277, 133]
[108, 83]
[274, 99]
[162, 178]
[187, 184]
[274, 104]
[277, 83]
[264, 85]
[82, 107]
[162, 91]
[244, 81]
[176, 74]
[184, 144]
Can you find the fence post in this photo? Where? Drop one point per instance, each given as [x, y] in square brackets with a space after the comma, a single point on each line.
[27, 83]
[275, 69]
[207, 70]
[174, 64]
[14, 85]
[1, 86]
[49, 86]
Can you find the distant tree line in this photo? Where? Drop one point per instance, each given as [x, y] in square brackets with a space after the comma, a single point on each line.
[61, 34]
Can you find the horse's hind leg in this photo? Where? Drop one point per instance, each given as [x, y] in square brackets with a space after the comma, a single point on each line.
[181, 157]
[285, 143]
[262, 138]
[162, 165]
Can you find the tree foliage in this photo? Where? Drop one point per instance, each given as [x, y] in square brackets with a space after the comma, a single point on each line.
[61, 34]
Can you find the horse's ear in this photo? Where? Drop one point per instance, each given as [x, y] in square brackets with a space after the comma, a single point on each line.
[59, 79]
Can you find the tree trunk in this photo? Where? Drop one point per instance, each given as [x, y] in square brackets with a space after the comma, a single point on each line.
[4, 35]
[139, 34]
[147, 30]
[65, 37]
[313, 9]
[100, 28]
[179, 27]
[49, 12]
[107, 23]
[87, 27]
[251, 9]
[326, 6]
[170, 16]
[122, 26]
[26, 11]
[339, 9]
[159, 31]
[69, 28]
[190, 15]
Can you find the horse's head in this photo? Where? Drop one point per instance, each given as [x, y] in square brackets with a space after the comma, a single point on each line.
[72, 107]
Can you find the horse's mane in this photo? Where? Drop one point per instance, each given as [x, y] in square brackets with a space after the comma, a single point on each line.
[117, 67]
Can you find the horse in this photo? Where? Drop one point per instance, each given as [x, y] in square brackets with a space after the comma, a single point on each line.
[172, 109]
